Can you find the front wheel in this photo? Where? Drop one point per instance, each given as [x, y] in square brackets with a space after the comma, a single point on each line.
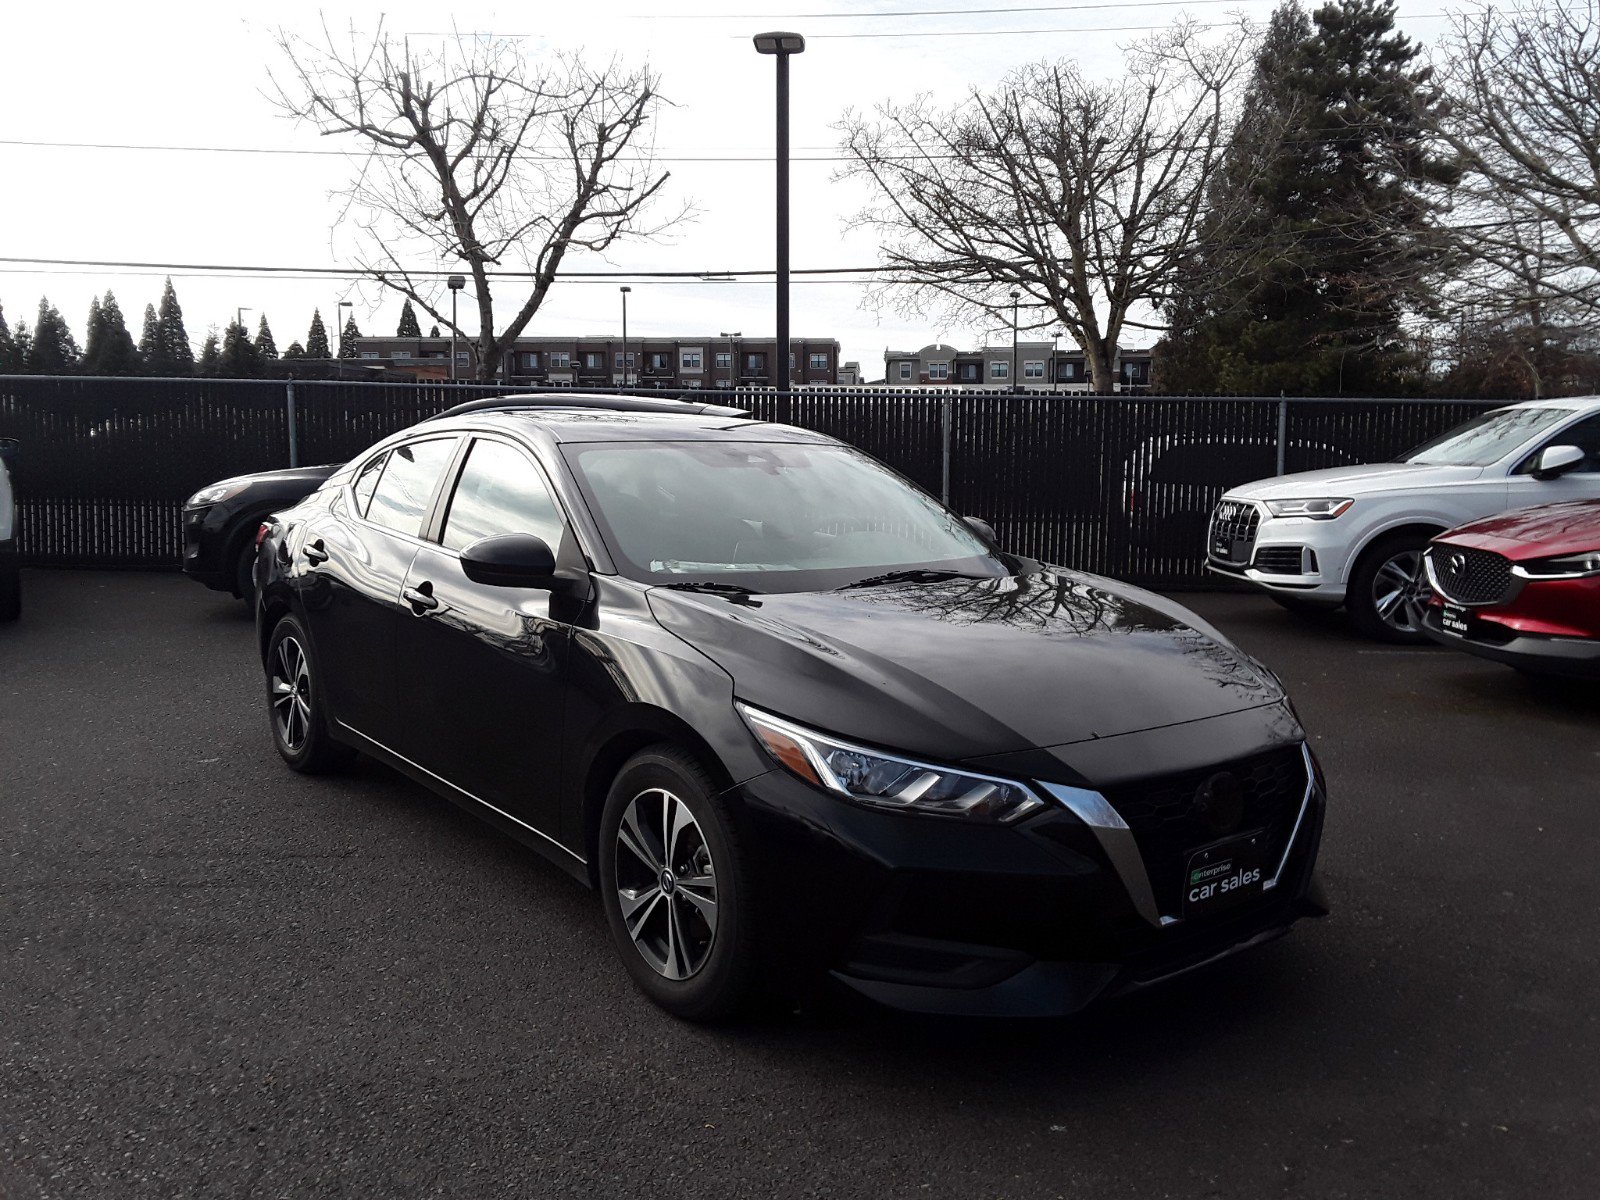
[1389, 590]
[674, 882]
[294, 704]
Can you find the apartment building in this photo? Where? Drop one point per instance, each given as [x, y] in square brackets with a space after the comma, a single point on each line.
[678, 364]
[1041, 366]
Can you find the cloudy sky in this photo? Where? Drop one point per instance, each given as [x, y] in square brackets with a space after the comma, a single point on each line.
[114, 89]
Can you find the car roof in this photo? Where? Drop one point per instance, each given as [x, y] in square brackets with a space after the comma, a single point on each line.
[562, 425]
[1578, 402]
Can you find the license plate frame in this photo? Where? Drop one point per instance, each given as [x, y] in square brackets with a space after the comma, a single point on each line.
[1225, 874]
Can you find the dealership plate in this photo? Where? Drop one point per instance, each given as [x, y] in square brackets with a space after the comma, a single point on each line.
[1224, 875]
[1455, 620]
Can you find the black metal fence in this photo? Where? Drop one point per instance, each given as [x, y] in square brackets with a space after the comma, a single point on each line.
[1114, 484]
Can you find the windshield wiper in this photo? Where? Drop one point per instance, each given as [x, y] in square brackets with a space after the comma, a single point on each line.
[911, 575]
[716, 589]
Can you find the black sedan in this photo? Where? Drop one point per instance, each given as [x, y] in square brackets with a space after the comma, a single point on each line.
[221, 520]
[788, 714]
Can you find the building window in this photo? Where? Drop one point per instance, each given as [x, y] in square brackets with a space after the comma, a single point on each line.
[617, 358]
[905, 371]
[938, 370]
[660, 362]
[755, 364]
[594, 361]
[532, 360]
[999, 370]
[1066, 372]
[690, 360]
[819, 362]
[1033, 370]
[968, 372]
[560, 358]
[370, 354]
[724, 359]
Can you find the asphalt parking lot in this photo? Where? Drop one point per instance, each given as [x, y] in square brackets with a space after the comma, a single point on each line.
[222, 979]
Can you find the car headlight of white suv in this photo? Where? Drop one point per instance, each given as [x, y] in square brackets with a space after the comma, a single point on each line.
[1321, 508]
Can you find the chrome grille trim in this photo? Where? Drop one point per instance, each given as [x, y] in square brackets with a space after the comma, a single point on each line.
[1468, 576]
[1231, 535]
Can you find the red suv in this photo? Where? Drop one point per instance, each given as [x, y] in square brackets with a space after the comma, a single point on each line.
[1522, 588]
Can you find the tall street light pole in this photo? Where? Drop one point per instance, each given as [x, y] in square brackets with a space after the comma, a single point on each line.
[238, 315]
[733, 378]
[625, 289]
[782, 45]
[455, 283]
[1016, 379]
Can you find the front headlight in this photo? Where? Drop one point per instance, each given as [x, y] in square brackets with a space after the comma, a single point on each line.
[879, 780]
[1568, 566]
[1323, 508]
[216, 492]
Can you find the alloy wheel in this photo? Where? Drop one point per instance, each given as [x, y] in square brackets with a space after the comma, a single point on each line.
[666, 884]
[291, 694]
[1400, 592]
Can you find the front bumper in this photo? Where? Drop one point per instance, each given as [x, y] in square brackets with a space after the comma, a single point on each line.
[1291, 556]
[1569, 656]
[950, 917]
[204, 530]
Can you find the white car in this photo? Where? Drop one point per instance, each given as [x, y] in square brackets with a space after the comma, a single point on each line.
[1355, 535]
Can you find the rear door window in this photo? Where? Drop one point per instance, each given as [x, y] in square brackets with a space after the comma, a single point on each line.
[405, 489]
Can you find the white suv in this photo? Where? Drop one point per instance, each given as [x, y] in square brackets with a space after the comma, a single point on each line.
[1355, 535]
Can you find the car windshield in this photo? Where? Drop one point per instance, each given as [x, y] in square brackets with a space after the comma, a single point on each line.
[1486, 439]
[768, 516]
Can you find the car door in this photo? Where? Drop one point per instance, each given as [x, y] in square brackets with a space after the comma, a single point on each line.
[1581, 483]
[352, 562]
[482, 688]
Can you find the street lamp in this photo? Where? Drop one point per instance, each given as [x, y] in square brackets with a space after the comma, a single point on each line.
[338, 316]
[733, 379]
[625, 289]
[1016, 379]
[238, 315]
[455, 283]
[782, 45]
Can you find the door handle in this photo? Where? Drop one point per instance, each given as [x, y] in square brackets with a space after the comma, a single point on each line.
[421, 598]
[315, 553]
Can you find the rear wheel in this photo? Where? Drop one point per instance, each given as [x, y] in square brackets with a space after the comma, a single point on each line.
[294, 704]
[674, 882]
[1389, 590]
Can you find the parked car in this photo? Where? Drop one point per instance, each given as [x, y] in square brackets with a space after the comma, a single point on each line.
[1171, 483]
[221, 520]
[10, 563]
[1355, 535]
[1522, 588]
[787, 713]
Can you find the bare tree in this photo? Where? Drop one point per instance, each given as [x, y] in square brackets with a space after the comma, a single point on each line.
[482, 160]
[1083, 196]
[1524, 115]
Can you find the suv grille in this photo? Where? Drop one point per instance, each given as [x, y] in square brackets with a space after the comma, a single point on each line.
[1169, 818]
[1469, 576]
[1233, 531]
[1280, 560]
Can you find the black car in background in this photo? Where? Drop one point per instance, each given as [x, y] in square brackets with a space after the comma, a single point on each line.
[221, 520]
[787, 713]
[10, 564]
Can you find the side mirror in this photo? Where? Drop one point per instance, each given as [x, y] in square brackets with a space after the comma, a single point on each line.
[518, 560]
[8, 449]
[1555, 461]
[982, 528]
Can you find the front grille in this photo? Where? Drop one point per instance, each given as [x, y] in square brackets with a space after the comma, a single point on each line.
[1280, 560]
[1233, 531]
[1468, 576]
[1169, 818]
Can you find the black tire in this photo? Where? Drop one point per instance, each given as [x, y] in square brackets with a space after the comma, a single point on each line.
[10, 594]
[1299, 607]
[244, 568]
[721, 984]
[296, 718]
[1381, 565]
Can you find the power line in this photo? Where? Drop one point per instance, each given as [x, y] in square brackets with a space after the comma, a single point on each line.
[708, 274]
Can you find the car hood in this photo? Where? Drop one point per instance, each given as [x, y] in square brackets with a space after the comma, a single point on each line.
[970, 667]
[1355, 481]
[1550, 530]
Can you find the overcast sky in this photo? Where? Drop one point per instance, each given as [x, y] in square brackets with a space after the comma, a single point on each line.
[195, 75]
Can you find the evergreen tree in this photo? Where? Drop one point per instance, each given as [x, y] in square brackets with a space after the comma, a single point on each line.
[317, 337]
[347, 339]
[434, 332]
[210, 356]
[53, 350]
[1319, 236]
[21, 348]
[266, 348]
[408, 322]
[9, 362]
[177, 355]
[238, 358]
[93, 336]
[295, 350]
[110, 349]
[150, 340]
